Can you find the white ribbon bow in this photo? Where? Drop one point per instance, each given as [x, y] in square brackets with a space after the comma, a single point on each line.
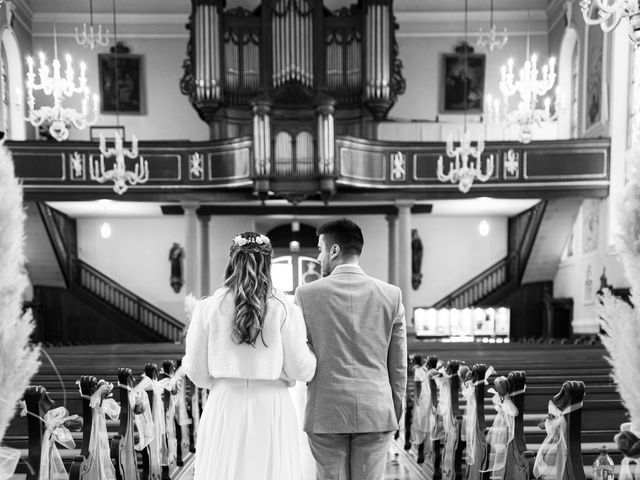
[98, 464]
[502, 430]
[625, 465]
[552, 454]
[470, 419]
[51, 466]
[449, 423]
[9, 458]
[422, 414]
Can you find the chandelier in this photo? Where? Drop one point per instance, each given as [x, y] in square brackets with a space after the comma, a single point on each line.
[530, 88]
[610, 12]
[57, 117]
[490, 39]
[119, 174]
[50, 82]
[91, 38]
[461, 170]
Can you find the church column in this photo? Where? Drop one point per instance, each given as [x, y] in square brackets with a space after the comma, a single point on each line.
[191, 249]
[404, 258]
[393, 249]
[205, 266]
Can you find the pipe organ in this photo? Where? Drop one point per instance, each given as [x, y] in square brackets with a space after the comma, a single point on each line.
[322, 73]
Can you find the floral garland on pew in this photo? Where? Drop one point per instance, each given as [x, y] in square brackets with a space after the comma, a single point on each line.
[621, 325]
[18, 358]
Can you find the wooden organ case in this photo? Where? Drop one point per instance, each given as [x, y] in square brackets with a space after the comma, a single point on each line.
[293, 75]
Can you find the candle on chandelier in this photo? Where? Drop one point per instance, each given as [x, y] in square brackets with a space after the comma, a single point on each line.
[30, 64]
[83, 69]
[96, 102]
[69, 71]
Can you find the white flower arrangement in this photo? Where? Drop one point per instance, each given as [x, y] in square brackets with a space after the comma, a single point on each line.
[19, 361]
[241, 241]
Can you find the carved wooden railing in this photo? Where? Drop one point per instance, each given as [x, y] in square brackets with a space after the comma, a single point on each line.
[111, 292]
[80, 275]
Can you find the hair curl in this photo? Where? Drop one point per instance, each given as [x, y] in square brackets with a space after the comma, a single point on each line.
[248, 278]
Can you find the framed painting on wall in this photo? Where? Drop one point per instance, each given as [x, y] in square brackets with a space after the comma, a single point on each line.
[595, 86]
[462, 82]
[120, 83]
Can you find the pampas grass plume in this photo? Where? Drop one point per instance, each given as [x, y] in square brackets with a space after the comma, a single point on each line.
[621, 338]
[18, 359]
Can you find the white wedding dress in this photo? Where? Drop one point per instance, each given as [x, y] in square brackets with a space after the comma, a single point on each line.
[249, 428]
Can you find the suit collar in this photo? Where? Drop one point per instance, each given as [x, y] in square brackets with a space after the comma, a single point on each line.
[348, 268]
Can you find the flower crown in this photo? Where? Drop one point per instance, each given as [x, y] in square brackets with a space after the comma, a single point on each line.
[241, 241]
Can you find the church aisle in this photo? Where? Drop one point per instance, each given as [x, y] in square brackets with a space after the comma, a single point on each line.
[398, 468]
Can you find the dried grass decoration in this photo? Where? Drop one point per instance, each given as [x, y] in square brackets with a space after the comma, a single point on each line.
[18, 358]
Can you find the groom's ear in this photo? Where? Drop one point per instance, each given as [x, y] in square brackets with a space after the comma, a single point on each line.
[334, 252]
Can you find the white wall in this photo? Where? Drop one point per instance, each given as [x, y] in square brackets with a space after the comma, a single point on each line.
[136, 256]
[571, 279]
[167, 114]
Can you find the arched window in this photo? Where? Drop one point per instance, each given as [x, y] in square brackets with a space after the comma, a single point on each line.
[12, 93]
[568, 82]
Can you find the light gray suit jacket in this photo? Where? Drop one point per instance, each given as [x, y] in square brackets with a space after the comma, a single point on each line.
[356, 325]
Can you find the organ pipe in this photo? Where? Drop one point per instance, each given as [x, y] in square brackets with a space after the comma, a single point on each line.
[207, 53]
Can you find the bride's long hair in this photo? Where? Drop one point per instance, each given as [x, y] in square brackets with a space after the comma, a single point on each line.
[248, 278]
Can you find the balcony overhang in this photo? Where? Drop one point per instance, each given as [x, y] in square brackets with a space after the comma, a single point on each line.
[223, 171]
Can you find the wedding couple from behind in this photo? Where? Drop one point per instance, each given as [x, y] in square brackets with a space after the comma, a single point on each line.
[345, 335]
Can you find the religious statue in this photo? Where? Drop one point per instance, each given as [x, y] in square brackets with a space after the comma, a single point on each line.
[176, 257]
[416, 259]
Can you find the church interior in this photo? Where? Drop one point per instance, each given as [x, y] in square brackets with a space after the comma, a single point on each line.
[484, 147]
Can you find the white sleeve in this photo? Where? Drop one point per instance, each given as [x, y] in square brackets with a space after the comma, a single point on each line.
[196, 359]
[299, 360]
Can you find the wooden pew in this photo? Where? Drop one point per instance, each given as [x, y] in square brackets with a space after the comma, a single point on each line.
[38, 404]
[88, 386]
[169, 445]
[123, 453]
[452, 453]
[151, 468]
[479, 453]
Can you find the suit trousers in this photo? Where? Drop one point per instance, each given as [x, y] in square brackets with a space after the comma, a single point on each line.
[350, 456]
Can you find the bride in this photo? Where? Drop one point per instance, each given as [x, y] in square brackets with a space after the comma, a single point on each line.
[247, 344]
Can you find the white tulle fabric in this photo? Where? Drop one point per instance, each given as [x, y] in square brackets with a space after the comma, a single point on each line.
[8, 461]
[98, 465]
[625, 465]
[423, 411]
[248, 431]
[449, 424]
[470, 418]
[552, 454]
[502, 430]
[51, 466]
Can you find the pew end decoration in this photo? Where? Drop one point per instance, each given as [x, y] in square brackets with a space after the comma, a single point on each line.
[18, 359]
[505, 439]
[620, 323]
[560, 454]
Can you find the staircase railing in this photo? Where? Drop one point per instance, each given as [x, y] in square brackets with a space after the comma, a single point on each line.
[79, 274]
[504, 276]
[125, 301]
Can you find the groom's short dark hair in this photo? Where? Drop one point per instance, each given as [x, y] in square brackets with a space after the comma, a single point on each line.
[345, 233]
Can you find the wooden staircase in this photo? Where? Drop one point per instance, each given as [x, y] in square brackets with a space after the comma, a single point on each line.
[103, 295]
[504, 277]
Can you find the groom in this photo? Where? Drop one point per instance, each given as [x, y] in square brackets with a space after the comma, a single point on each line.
[356, 324]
